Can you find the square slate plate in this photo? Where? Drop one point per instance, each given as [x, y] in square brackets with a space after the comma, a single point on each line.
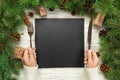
[59, 42]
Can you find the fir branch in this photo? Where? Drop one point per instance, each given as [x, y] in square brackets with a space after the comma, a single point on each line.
[107, 7]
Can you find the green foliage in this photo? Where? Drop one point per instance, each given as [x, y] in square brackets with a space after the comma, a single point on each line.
[10, 21]
[50, 3]
[106, 6]
[110, 46]
[110, 50]
[11, 12]
[28, 3]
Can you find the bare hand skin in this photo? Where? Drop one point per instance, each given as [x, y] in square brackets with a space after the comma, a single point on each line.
[91, 59]
[29, 57]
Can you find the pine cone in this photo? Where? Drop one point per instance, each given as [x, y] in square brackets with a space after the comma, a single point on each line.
[15, 37]
[63, 5]
[73, 13]
[103, 33]
[104, 68]
[31, 14]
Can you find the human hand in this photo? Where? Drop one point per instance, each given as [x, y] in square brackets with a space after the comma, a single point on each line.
[29, 57]
[91, 59]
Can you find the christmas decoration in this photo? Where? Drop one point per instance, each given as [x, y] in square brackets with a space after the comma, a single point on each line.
[15, 37]
[73, 13]
[102, 33]
[30, 14]
[63, 5]
[18, 52]
[98, 21]
[42, 11]
[27, 21]
[104, 68]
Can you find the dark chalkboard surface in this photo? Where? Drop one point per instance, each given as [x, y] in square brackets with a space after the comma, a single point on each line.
[59, 42]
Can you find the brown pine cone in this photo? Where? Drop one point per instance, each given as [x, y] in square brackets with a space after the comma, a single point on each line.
[73, 13]
[104, 68]
[15, 37]
[103, 33]
[31, 14]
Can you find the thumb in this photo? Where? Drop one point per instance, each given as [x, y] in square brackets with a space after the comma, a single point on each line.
[89, 56]
[31, 53]
[34, 53]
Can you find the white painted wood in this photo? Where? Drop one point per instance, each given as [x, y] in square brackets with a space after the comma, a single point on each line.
[59, 73]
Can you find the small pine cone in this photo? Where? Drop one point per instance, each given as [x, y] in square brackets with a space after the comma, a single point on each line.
[104, 68]
[63, 5]
[103, 33]
[31, 14]
[73, 13]
[15, 37]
